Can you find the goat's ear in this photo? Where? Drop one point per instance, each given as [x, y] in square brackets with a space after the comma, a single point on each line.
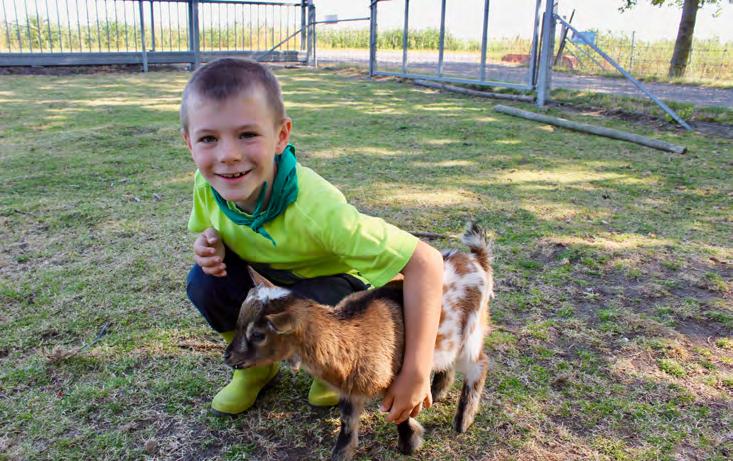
[281, 323]
[258, 279]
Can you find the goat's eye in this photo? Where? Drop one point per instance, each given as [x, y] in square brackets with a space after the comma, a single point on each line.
[257, 337]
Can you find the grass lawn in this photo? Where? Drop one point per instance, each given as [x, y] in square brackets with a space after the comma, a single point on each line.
[613, 322]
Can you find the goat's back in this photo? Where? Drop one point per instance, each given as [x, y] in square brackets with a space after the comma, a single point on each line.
[374, 323]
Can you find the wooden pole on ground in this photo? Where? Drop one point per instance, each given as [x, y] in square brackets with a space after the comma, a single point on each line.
[483, 94]
[586, 128]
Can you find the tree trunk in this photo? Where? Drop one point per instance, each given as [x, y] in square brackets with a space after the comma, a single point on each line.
[684, 38]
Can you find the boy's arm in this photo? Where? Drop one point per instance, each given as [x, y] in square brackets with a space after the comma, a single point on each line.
[423, 292]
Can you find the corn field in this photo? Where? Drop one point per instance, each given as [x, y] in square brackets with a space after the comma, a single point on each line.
[709, 60]
[41, 36]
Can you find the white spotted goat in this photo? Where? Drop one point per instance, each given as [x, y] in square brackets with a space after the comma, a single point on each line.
[358, 345]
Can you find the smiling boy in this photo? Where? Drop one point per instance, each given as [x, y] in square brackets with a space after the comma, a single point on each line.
[255, 204]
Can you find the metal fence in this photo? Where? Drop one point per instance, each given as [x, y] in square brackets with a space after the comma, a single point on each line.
[476, 68]
[77, 32]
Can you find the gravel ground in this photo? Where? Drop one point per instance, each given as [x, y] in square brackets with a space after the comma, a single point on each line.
[467, 65]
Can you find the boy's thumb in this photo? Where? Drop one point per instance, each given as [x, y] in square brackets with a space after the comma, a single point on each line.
[211, 236]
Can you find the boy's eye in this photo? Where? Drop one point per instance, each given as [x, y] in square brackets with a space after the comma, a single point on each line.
[248, 134]
[207, 139]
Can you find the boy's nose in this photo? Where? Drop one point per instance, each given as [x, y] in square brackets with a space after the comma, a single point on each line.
[230, 152]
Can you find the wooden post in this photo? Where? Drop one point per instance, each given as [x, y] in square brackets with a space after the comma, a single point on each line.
[597, 130]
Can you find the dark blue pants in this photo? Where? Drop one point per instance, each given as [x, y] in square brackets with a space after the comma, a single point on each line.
[219, 298]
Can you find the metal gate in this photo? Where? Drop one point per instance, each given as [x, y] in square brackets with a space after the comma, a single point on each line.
[477, 72]
[99, 32]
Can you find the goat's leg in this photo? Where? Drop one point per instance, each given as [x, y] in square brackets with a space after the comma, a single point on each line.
[410, 432]
[349, 435]
[442, 381]
[473, 386]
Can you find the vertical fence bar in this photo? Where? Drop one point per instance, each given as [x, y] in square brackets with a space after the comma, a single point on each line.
[142, 37]
[106, 26]
[170, 26]
[288, 10]
[546, 53]
[17, 26]
[532, 77]
[203, 25]
[152, 28]
[484, 39]
[441, 39]
[7, 28]
[58, 23]
[117, 26]
[38, 24]
[28, 29]
[193, 27]
[134, 25]
[99, 32]
[372, 38]
[236, 32]
[302, 24]
[251, 42]
[48, 25]
[226, 23]
[68, 24]
[631, 55]
[404, 36]
[178, 26]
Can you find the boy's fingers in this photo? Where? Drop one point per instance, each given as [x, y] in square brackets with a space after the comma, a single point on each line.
[217, 271]
[387, 403]
[401, 417]
[204, 250]
[208, 261]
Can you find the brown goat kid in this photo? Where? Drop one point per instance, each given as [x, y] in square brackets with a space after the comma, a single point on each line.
[357, 346]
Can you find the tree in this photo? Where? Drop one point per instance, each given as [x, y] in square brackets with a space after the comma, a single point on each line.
[683, 44]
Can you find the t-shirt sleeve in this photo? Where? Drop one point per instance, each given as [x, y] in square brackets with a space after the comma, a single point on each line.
[375, 248]
[199, 220]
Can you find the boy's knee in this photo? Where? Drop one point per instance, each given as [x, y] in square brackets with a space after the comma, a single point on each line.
[201, 287]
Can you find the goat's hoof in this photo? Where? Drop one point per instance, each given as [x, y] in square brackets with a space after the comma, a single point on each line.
[409, 447]
[439, 396]
[342, 455]
[461, 425]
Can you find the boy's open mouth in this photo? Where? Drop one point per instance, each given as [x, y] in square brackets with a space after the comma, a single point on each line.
[233, 175]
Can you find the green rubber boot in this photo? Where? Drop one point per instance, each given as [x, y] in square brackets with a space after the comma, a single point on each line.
[322, 395]
[240, 394]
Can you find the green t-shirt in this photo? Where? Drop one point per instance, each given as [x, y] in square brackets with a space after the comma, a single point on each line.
[319, 234]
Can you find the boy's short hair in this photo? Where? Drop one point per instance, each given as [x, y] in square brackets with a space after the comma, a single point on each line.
[227, 77]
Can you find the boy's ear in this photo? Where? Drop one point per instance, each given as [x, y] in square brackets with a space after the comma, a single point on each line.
[258, 279]
[283, 136]
[280, 323]
[187, 138]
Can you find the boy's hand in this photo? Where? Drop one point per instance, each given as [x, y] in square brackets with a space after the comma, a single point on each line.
[208, 252]
[408, 394]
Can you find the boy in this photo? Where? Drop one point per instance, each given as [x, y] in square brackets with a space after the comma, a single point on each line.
[254, 204]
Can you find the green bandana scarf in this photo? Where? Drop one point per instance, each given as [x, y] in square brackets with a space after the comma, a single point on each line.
[284, 192]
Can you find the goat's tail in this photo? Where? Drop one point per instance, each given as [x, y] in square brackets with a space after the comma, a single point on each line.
[475, 239]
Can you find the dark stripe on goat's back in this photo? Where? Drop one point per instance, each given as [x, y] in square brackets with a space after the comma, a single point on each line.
[357, 303]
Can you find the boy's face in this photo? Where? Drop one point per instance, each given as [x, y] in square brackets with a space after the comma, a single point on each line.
[233, 143]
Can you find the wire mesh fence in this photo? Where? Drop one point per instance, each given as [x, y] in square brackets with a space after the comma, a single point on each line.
[708, 60]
